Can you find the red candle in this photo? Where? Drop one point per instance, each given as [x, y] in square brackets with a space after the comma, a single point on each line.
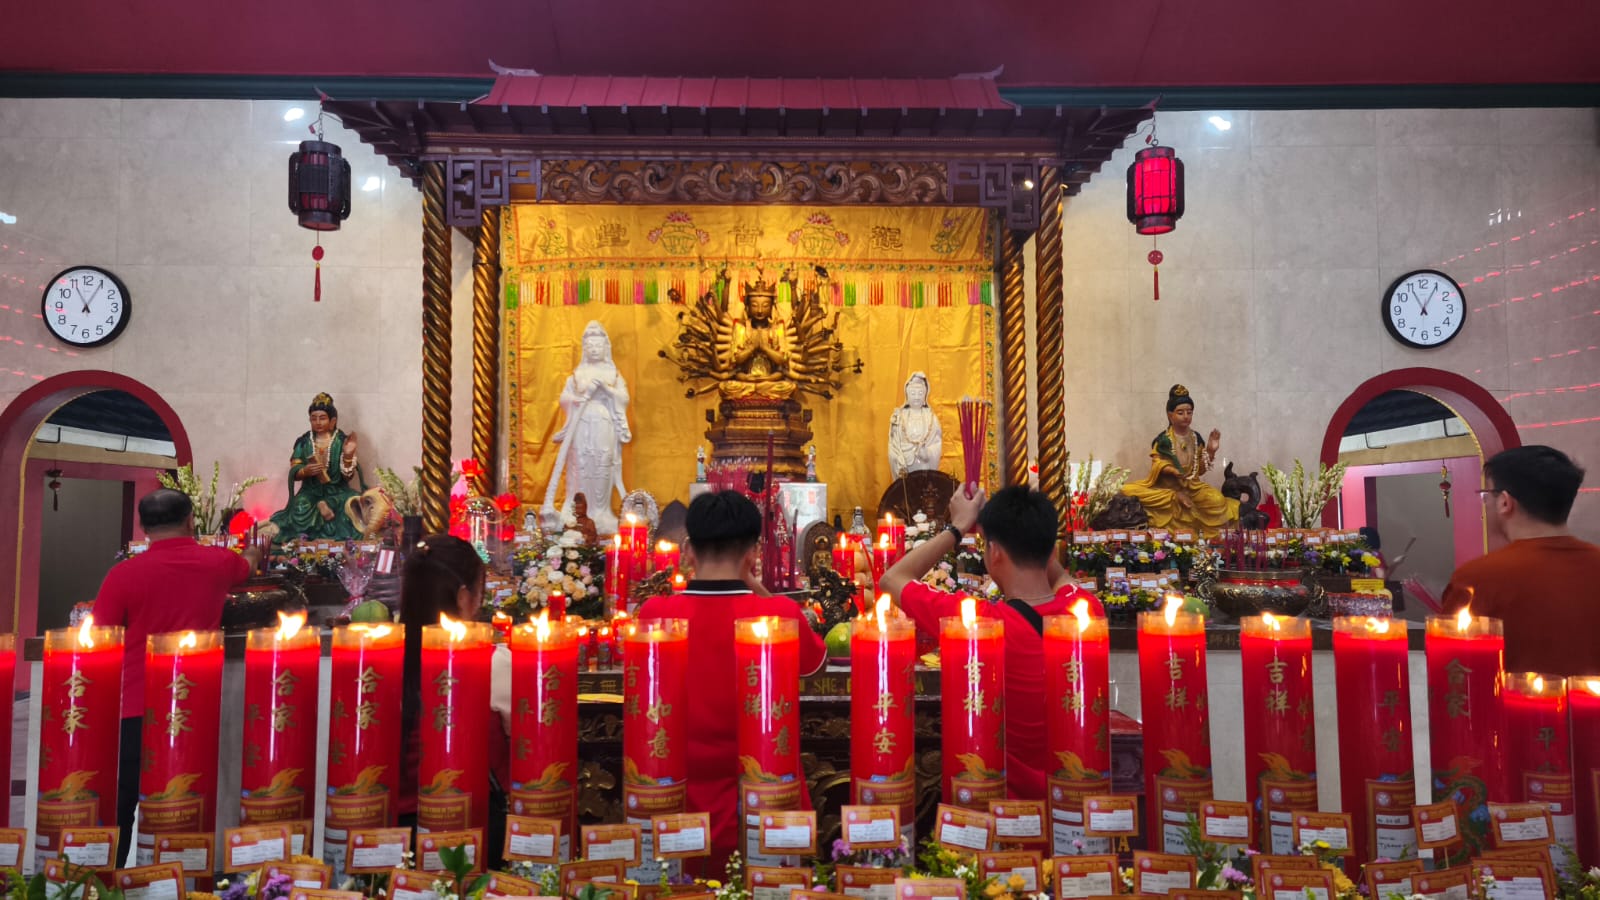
[1077, 723]
[616, 581]
[278, 772]
[972, 684]
[183, 712]
[1177, 720]
[1584, 694]
[368, 669]
[502, 623]
[1541, 750]
[1280, 734]
[82, 709]
[453, 775]
[883, 658]
[1372, 683]
[1466, 675]
[896, 531]
[8, 672]
[766, 652]
[665, 557]
[883, 556]
[844, 562]
[556, 603]
[635, 546]
[544, 721]
[655, 699]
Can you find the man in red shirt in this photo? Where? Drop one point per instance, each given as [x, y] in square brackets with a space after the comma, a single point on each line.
[176, 585]
[1019, 535]
[1541, 585]
[724, 530]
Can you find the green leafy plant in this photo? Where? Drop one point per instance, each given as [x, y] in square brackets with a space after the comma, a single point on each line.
[459, 867]
[1301, 497]
[207, 512]
[405, 497]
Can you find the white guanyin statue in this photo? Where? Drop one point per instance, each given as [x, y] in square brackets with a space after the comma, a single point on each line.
[915, 439]
[595, 400]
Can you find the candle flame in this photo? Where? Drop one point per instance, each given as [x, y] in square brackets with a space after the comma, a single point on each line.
[883, 612]
[883, 541]
[632, 520]
[289, 625]
[1081, 610]
[969, 612]
[84, 638]
[188, 641]
[1376, 625]
[1174, 603]
[759, 629]
[371, 632]
[665, 546]
[888, 519]
[1592, 685]
[1538, 684]
[677, 581]
[1464, 619]
[541, 625]
[844, 541]
[617, 539]
[1271, 621]
[456, 630]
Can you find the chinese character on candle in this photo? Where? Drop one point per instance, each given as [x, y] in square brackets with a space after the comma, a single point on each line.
[1280, 745]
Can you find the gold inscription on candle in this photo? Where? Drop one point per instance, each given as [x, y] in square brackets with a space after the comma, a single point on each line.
[885, 704]
[658, 744]
[284, 684]
[444, 682]
[178, 722]
[72, 719]
[883, 741]
[282, 717]
[550, 711]
[180, 686]
[77, 683]
[657, 712]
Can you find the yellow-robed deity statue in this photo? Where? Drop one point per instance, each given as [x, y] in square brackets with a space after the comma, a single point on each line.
[1174, 494]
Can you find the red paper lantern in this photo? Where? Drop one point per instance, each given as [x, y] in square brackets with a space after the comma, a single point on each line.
[1155, 190]
[319, 186]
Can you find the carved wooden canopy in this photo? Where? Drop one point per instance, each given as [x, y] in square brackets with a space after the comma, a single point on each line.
[608, 140]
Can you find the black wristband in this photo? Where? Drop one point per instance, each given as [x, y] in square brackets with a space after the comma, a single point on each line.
[955, 530]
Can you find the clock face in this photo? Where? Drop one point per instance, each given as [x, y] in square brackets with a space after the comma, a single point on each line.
[1424, 308]
[86, 306]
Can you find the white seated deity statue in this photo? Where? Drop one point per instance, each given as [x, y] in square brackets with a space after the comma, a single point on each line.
[916, 441]
[595, 400]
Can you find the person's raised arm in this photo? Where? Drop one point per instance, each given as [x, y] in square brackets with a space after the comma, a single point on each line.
[916, 563]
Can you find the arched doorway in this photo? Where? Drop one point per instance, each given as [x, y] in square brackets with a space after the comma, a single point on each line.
[23, 479]
[1454, 426]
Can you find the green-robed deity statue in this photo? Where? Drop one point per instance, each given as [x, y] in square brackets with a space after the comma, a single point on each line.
[321, 467]
[1174, 494]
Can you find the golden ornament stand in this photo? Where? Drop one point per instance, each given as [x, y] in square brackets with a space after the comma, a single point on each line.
[740, 429]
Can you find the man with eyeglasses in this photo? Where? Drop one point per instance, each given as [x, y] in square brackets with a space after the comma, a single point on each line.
[1542, 583]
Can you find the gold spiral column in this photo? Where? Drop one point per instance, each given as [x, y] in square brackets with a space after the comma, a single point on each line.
[486, 348]
[1050, 334]
[435, 352]
[1013, 358]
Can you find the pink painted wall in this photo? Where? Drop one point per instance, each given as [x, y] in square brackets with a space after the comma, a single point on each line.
[1358, 496]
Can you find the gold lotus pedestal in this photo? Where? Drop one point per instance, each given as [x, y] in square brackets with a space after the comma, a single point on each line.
[741, 427]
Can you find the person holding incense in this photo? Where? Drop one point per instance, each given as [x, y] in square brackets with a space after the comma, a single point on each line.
[1019, 534]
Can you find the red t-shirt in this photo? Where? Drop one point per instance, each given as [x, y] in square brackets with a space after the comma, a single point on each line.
[1027, 757]
[711, 608]
[176, 585]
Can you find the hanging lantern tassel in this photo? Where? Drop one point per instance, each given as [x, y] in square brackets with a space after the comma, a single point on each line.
[1155, 258]
[316, 254]
[1444, 488]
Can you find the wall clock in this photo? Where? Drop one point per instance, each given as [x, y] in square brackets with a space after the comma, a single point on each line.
[1424, 309]
[86, 306]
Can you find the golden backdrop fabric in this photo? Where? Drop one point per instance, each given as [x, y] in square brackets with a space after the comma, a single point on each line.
[903, 307]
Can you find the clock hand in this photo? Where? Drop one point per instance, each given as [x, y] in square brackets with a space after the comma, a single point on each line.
[1430, 299]
[96, 293]
[80, 295]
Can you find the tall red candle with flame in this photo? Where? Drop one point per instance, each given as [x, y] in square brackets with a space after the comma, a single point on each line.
[883, 556]
[766, 652]
[972, 677]
[453, 776]
[1177, 720]
[1077, 723]
[655, 698]
[895, 530]
[1583, 692]
[544, 721]
[1466, 725]
[368, 670]
[8, 672]
[278, 771]
[665, 557]
[183, 703]
[883, 658]
[616, 580]
[635, 546]
[844, 562]
[1280, 732]
[82, 710]
[1541, 748]
[1371, 677]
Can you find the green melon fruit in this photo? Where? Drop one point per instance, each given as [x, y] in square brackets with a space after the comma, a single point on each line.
[371, 611]
[838, 640]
